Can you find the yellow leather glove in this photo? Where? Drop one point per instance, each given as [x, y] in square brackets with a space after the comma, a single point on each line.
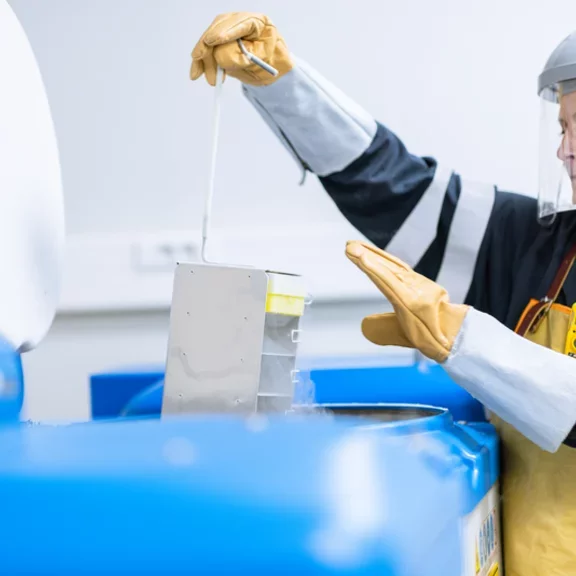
[219, 47]
[423, 316]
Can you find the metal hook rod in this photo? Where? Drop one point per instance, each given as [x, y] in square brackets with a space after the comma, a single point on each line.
[256, 60]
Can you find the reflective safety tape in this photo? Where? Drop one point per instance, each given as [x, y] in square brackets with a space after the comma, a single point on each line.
[419, 230]
[465, 237]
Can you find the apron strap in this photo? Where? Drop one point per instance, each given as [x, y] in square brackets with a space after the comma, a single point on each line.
[536, 314]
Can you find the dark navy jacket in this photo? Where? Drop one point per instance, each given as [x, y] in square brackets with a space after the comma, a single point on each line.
[518, 257]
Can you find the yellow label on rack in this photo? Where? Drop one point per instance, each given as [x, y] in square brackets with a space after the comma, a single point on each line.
[287, 305]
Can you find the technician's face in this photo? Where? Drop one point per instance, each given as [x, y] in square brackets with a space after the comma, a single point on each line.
[567, 149]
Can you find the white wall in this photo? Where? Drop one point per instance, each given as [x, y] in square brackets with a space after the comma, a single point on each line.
[455, 80]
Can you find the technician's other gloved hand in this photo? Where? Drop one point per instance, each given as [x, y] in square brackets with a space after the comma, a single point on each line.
[423, 316]
[219, 47]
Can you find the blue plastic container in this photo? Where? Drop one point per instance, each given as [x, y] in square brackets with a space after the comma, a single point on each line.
[138, 391]
[420, 383]
[296, 495]
[11, 384]
[111, 391]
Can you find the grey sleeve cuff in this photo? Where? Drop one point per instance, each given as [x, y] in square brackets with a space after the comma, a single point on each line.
[323, 129]
[528, 386]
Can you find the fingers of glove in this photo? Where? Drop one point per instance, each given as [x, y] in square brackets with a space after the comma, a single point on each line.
[210, 68]
[417, 318]
[241, 25]
[383, 278]
[222, 56]
[230, 57]
[416, 307]
[385, 330]
[197, 69]
[201, 47]
[420, 289]
[417, 303]
[384, 272]
[203, 62]
[410, 288]
[427, 318]
[407, 285]
[265, 46]
[359, 248]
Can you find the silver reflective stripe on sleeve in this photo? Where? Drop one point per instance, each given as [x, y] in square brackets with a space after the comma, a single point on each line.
[465, 237]
[420, 228]
[320, 126]
[276, 130]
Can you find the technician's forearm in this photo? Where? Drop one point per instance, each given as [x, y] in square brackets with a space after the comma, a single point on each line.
[529, 386]
[323, 128]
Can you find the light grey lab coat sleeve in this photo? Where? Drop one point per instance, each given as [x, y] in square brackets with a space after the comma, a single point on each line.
[527, 385]
[323, 129]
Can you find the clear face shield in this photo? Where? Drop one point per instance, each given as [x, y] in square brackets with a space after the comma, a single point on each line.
[557, 178]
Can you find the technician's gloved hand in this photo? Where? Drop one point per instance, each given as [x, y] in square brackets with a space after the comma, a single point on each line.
[423, 316]
[219, 47]
[526, 385]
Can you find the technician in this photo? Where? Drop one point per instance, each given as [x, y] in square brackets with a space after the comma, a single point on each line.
[505, 259]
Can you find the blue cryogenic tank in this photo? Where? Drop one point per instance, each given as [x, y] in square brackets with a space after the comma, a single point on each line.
[477, 444]
[138, 391]
[400, 491]
[11, 384]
